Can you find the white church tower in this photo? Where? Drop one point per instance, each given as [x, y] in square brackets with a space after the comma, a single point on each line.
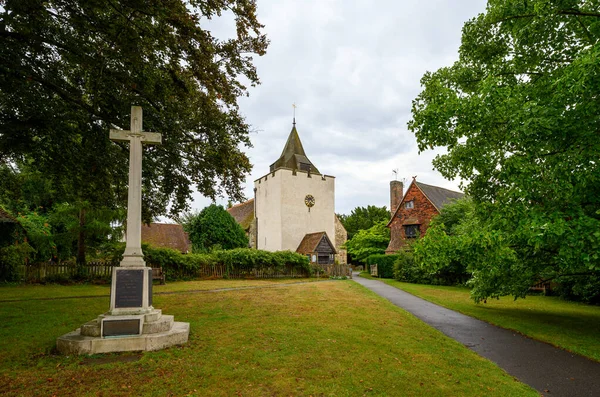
[293, 202]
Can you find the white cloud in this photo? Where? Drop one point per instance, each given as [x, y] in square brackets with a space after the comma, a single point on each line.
[353, 68]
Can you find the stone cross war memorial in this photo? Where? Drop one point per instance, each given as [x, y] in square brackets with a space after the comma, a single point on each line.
[132, 323]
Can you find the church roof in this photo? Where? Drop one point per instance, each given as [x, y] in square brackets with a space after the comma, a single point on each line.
[293, 156]
[164, 235]
[243, 213]
[311, 241]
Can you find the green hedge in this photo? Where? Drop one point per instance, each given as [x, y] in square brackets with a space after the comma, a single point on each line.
[178, 266]
[405, 269]
[385, 264]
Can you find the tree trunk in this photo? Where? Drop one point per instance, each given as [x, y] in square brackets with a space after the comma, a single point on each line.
[81, 239]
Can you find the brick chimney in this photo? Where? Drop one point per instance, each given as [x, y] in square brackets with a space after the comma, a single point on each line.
[396, 189]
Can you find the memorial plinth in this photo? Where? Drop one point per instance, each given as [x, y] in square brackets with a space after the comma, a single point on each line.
[132, 323]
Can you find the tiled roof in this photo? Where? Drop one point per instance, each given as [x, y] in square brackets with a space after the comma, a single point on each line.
[243, 213]
[293, 155]
[6, 217]
[439, 196]
[162, 235]
[311, 241]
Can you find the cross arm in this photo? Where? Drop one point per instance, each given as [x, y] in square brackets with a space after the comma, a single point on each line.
[146, 137]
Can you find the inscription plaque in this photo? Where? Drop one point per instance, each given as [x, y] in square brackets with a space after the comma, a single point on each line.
[129, 288]
[121, 327]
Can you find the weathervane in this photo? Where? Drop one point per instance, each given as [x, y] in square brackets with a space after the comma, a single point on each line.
[294, 106]
[395, 172]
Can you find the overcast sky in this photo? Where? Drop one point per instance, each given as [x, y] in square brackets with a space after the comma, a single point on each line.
[352, 68]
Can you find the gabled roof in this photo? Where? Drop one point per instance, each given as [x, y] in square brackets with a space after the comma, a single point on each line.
[243, 213]
[311, 241]
[163, 235]
[438, 196]
[293, 155]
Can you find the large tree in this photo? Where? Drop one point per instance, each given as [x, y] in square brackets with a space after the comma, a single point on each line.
[363, 218]
[71, 69]
[214, 227]
[519, 115]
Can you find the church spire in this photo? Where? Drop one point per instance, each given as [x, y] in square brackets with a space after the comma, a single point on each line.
[293, 156]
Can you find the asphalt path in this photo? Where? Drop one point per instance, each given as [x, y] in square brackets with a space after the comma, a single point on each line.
[550, 370]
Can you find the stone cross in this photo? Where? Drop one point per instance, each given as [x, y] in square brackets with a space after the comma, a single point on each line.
[133, 256]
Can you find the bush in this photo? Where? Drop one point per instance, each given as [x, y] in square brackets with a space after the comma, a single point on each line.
[248, 259]
[580, 289]
[11, 258]
[407, 270]
[215, 228]
[385, 264]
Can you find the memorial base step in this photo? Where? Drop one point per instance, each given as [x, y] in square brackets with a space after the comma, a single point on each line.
[74, 343]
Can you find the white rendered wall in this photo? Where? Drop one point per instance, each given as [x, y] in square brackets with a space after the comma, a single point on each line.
[283, 217]
[267, 199]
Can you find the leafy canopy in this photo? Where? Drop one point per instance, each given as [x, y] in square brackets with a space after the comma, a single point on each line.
[70, 70]
[214, 228]
[363, 218]
[519, 116]
[369, 242]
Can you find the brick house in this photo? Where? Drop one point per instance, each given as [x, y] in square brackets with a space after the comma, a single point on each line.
[412, 212]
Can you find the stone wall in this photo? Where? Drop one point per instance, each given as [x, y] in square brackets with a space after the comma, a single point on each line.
[341, 235]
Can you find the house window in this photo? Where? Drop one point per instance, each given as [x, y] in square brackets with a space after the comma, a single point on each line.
[409, 204]
[411, 231]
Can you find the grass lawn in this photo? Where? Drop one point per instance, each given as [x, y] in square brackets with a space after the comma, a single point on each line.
[569, 325]
[321, 339]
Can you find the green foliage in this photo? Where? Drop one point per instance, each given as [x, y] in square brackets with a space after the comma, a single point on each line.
[39, 235]
[369, 242]
[249, 259]
[178, 266]
[363, 218]
[518, 116]
[442, 253]
[405, 269]
[215, 228]
[385, 264]
[11, 257]
[70, 70]
[579, 289]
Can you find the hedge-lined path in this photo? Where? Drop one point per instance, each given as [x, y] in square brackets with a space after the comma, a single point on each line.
[192, 291]
[550, 370]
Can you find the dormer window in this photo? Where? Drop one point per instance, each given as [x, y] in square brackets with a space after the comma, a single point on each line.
[409, 204]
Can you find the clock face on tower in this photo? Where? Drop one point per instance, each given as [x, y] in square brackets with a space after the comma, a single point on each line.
[309, 200]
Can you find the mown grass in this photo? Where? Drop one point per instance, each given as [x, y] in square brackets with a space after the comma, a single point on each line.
[568, 325]
[331, 338]
[41, 291]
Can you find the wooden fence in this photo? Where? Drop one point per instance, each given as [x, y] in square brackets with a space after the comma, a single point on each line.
[38, 272]
[342, 270]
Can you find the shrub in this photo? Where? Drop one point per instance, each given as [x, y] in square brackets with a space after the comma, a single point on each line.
[248, 259]
[385, 264]
[11, 258]
[214, 228]
[407, 270]
[581, 289]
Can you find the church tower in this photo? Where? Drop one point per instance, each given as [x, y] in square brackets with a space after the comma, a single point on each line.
[293, 200]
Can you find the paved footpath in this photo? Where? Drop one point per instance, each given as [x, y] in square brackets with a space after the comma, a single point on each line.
[551, 371]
